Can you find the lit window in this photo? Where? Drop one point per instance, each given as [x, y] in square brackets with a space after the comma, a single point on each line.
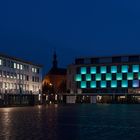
[103, 69]
[119, 76]
[113, 84]
[130, 76]
[88, 77]
[113, 69]
[135, 68]
[98, 77]
[17, 76]
[83, 70]
[33, 70]
[21, 67]
[108, 77]
[0, 62]
[103, 84]
[135, 83]
[15, 65]
[21, 77]
[93, 70]
[124, 69]
[83, 84]
[124, 83]
[78, 77]
[93, 84]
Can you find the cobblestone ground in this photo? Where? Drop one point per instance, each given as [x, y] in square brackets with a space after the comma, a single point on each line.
[71, 122]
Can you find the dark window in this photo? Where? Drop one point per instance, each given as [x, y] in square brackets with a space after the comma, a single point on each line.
[98, 69]
[98, 84]
[88, 70]
[38, 70]
[133, 58]
[79, 61]
[119, 84]
[94, 60]
[124, 59]
[105, 60]
[116, 59]
[93, 77]
[108, 69]
[88, 84]
[124, 76]
[129, 83]
[83, 77]
[27, 78]
[78, 70]
[119, 69]
[103, 76]
[108, 83]
[135, 76]
[113, 76]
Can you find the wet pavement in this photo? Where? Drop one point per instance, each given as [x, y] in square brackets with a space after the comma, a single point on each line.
[71, 122]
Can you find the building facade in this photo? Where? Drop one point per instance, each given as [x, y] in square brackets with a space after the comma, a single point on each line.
[19, 77]
[117, 75]
[54, 82]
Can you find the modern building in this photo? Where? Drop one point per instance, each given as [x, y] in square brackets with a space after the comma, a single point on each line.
[116, 77]
[55, 79]
[18, 80]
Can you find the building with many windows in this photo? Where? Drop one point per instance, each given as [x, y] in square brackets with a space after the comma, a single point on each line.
[18, 77]
[116, 76]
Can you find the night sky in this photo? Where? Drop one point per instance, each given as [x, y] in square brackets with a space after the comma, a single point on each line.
[32, 29]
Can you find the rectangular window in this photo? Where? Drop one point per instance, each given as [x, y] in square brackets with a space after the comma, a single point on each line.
[78, 77]
[83, 70]
[88, 77]
[21, 67]
[83, 84]
[103, 69]
[93, 84]
[15, 65]
[108, 77]
[98, 77]
[124, 69]
[93, 70]
[130, 76]
[124, 83]
[0, 61]
[119, 76]
[135, 83]
[114, 84]
[103, 84]
[135, 68]
[113, 69]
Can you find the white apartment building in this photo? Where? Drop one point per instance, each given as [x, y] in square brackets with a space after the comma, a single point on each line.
[19, 77]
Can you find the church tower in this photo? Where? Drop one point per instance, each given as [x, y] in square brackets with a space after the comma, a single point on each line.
[55, 63]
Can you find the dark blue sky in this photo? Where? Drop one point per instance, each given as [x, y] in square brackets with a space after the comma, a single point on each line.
[31, 29]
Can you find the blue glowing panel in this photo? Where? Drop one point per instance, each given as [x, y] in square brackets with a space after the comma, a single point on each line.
[113, 84]
[108, 77]
[135, 83]
[103, 69]
[83, 70]
[124, 83]
[93, 70]
[93, 84]
[130, 76]
[124, 69]
[83, 84]
[135, 68]
[139, 75]
[119, 76]
[103, 84]
[98, 77]
[113, 69]
[88, 77]
[78, 77]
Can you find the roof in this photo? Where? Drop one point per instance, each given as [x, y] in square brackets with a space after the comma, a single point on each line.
[57, 71]
[21, 60]
[125, 55]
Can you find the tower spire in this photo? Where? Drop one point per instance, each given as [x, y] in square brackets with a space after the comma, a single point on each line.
[55, 60]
